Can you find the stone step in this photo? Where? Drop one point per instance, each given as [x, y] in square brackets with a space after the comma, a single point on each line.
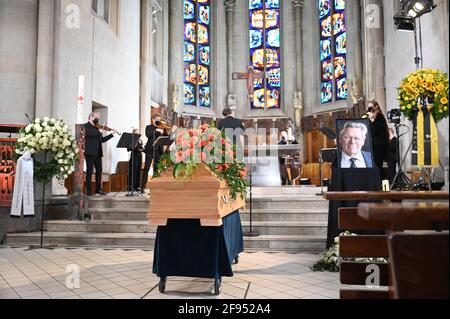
[77, 239]
[298, 243]
[287, 228]
[119, 202]
[119, 213]
[100, 226]
[289, 202]
[285, 215]
[287, 190]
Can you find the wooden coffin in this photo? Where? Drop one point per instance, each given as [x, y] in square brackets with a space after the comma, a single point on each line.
[204, 197]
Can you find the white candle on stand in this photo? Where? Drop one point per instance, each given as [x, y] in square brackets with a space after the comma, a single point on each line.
[80, 107]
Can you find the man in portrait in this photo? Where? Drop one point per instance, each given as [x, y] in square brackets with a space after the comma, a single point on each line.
[352, 138]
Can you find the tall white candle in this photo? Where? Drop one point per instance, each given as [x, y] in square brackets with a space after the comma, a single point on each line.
[80, 107]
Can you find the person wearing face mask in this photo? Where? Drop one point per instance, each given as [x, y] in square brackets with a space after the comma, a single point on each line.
[152, 155]
[93, 152]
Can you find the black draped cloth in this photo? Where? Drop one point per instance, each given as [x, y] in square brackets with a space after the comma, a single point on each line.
[184, 248]
[348, 180]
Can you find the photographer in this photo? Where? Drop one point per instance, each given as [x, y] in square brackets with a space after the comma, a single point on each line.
[379, 132]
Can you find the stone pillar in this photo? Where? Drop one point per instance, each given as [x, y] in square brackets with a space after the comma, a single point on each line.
[176, 26]
[373, 43]
[230, 6]
[298, 95]
[356, 85]
[44, 70]
[18, 47]
[145, 64]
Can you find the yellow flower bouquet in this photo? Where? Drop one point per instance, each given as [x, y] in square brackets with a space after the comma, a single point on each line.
[429, 83]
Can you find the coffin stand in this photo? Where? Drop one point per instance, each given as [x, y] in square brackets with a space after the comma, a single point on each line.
[204, 197]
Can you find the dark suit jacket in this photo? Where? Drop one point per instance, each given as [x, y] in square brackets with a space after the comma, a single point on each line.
[230, 122]
[94, 140]
[152, 135]
[368, 159]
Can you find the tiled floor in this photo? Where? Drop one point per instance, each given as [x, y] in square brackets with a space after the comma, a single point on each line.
[41, 273]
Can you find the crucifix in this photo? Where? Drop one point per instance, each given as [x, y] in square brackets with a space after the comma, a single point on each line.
[251, 75]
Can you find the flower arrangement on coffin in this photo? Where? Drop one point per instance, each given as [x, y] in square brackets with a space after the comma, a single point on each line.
[52, 136]
[331, 260]
[205, 146]
[425, 83]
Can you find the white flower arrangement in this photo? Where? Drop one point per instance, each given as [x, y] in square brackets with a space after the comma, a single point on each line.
[331, 260]
[49, 135]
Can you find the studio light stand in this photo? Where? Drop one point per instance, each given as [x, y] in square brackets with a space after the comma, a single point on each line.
[401, 181]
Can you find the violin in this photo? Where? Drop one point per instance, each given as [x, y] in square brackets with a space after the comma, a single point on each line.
[164, 126]
[105, 128]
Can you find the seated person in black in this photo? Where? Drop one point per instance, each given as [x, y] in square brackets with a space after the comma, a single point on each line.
[284, 140]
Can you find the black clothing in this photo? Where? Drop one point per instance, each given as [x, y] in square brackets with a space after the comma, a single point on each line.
[134, 167]
[380, 139]
[392, 158]
[151, 153]
[93, 153]
[92, 161]
[238, 126]
[230, 122]
[283, 142]
[94, 140]
[282, 161]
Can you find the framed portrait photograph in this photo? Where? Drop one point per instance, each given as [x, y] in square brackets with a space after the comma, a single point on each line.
[354, 143]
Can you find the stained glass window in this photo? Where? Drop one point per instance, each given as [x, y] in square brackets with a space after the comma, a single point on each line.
[265, 54]
[197, 90]
[333, 51]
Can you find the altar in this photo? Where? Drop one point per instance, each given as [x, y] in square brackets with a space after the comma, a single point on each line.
[269, 163]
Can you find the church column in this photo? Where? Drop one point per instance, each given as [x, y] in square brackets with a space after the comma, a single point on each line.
[176, 73]
[373, 43]
[44, 70]
[145, 64]
[18, 38]
[230, 6]
[356, 84]
[298, 95]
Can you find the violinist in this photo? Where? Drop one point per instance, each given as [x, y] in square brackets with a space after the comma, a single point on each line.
[153, 154]
[94, 152]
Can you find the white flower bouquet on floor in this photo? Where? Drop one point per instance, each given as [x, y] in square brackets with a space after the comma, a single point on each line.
[54, 138]
[331, 260]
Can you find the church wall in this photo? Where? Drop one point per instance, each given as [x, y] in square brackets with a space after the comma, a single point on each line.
[18, 46]
[110, 63]
[399, 60]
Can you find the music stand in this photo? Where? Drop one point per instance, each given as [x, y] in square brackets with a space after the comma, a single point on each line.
[326, 155]
[328, 132]
[163, 141]
[129, 141]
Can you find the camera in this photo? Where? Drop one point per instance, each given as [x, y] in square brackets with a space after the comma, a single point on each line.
[370, 109]
[394, 116]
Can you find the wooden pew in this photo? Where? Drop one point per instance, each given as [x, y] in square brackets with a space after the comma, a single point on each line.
[419, 265]
[387, 217]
